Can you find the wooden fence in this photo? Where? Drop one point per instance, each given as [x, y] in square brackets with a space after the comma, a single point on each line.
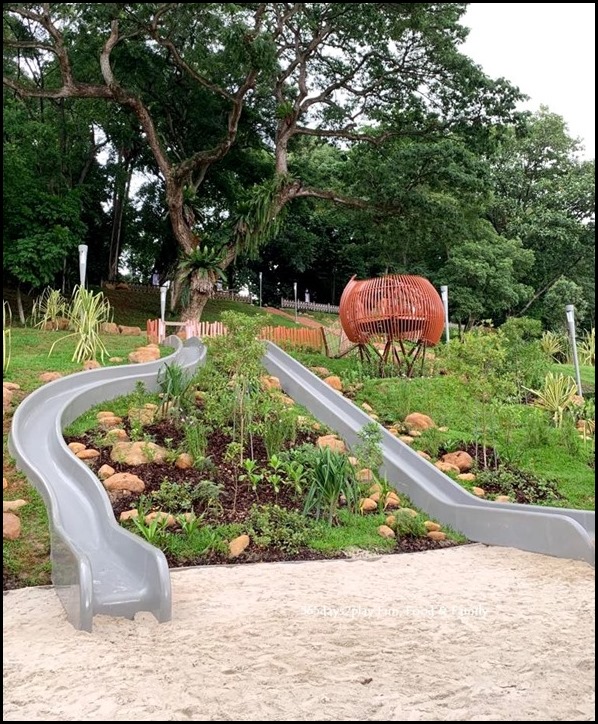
[309, 306]
[300, 336]
[149, 288]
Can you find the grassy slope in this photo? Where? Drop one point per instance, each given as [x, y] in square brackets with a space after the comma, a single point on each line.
[513, 431]
[588, 375]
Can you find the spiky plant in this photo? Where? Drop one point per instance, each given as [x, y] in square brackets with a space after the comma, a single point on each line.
[48, 309]
[557, 395]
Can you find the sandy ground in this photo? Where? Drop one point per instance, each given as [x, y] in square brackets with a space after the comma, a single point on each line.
[472, 633]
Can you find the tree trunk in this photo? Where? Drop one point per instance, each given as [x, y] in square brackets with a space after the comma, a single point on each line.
[119, 203]
[20, 310]
[200, 290]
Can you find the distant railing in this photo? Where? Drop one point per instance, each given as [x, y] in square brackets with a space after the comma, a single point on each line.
[297, 336]
[224, 294]
[309, 306]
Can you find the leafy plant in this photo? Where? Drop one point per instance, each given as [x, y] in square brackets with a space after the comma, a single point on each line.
[408, 526]
[523, 487]
[587, 348]
[369, 448]
[331, 476]
[189, 523]
[175, 384]
[6, 336]
[48, 309]
[196, 438]
[174, 497]
[86, 313]
[271, 525]
[554, 346]
[556, 396]
[153, 531]
[252, 474]
[278, 427]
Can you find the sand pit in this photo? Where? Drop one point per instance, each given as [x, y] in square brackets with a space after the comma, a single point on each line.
[469, 633]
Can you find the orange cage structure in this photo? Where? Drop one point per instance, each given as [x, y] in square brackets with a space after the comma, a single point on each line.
[396, 316]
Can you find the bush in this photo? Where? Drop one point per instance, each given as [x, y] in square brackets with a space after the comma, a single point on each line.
[331, 477]
[276, 527]
[523, 487]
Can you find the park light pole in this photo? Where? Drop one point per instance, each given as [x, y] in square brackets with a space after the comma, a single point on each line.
[163, 292]
[570, 309]
[82, 263]
[261, 279]
[296, 309]
[445, 304]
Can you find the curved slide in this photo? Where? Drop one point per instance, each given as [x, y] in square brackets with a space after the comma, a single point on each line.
[98, 567]
[560, 532]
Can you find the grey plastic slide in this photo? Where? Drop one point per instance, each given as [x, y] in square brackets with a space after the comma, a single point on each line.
[560, 532]
[98, 567]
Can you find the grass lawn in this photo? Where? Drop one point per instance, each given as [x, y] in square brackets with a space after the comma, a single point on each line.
[588, 375]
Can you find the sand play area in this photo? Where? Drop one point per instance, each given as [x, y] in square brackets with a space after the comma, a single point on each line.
[462, 634]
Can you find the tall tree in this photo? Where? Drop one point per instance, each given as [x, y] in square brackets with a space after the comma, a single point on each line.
[350, 72]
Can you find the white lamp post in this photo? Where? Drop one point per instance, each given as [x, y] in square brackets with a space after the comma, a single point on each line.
[296, 309]
[445, 304]
[261, 277]
[163, 292]
[572, 337]
[82, 263]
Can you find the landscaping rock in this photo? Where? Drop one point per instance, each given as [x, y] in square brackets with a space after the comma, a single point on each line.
[144, 354]
[269, 382]
[115, 360]
[443, 429]
[76, 447]
[321, 371]
[461, 459]
[447, 467]
[122, 285]
[124, 481]
[365, 476]
[11, 526]
[479, 492]
[166, 518]
[109, 328]
[430, 526]
[436, 535]
[105, 413]
[11, 506]
[502, 499]
[466, 477]
[374, 416]
[368, 505]
[375, 488]
[106, 472]
[407, 439]
[408, 511]
[49, 376]
[419, 421]
[129, 514]
[12, 386]
[375, 497]
[141, 415]
[334, 382]
[414, 433]
[333, 443]
[286, 400]
[238, 545]
[424, 455]
[109, 422]
[366, 407]
[392, 501]
[115, 435]
[138, 453]
[4, 483]
[91, 364]
[386, 532]
[6, 400]
[88, 454]
[184, 461]
[391, 520]
[354, 461]
[129, 331]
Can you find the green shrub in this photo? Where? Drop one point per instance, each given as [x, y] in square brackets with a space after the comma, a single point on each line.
[175, 498]
[276, 527]
[407, 526]
[521, 486]
[175, 385]
[330, 476]
[196, 438]
[556, 396]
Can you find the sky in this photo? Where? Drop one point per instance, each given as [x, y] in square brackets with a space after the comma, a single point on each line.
[547, 50]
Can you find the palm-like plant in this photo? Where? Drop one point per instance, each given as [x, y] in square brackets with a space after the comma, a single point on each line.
[553, 345]
[587, 348]
[557, 395]
[48, 309]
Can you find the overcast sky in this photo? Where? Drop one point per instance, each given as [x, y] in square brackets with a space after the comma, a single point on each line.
[548, 50]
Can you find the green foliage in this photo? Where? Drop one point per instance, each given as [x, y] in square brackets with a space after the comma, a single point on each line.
[196, 438]
[175, 385]
[408, 526]
[6, 336]
[331, 476]
[48, 309]
[86, 314]
[556, 396]
[519, 485]
[587, 348]
[524, 329]
[369, 448]
[276, 527]
[176, 497]
[278, 426]
[564, 291]
[154, 531]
